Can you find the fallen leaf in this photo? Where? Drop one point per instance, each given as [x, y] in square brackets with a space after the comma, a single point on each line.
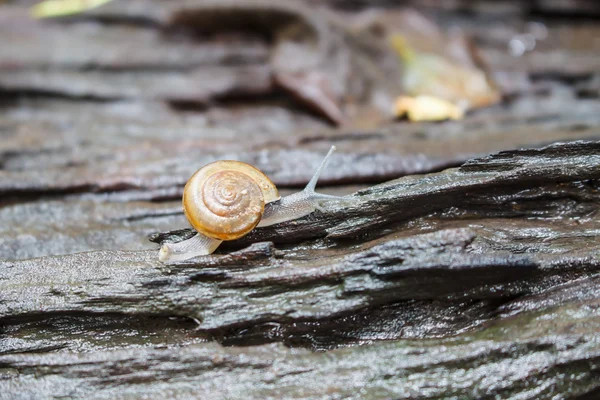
[426, 108]
[434, 75]
[59, 8]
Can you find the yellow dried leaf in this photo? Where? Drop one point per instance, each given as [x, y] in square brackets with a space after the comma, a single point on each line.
[426, 108]
[59, 8]
[434, 75]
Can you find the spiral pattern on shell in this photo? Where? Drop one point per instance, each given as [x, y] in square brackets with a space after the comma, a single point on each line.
[225, 200]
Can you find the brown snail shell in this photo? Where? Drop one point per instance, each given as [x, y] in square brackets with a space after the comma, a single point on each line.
[226, 199]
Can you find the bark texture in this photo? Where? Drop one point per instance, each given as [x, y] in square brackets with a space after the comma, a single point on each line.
[462, 259]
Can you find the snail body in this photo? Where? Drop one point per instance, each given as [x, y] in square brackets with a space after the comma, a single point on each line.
[225, 200]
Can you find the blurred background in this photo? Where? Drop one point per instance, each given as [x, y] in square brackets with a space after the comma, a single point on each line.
[108, 107]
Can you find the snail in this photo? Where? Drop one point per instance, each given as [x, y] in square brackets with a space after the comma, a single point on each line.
[225, 200]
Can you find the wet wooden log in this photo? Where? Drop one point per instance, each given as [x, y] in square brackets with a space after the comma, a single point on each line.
[476, 279]
[417, 258]
[532, 357]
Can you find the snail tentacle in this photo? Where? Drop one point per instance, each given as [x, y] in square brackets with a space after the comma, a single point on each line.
[312, 184]
[299, 204]
[197, 245]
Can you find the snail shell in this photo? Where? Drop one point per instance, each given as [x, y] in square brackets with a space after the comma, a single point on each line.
[226, 199]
